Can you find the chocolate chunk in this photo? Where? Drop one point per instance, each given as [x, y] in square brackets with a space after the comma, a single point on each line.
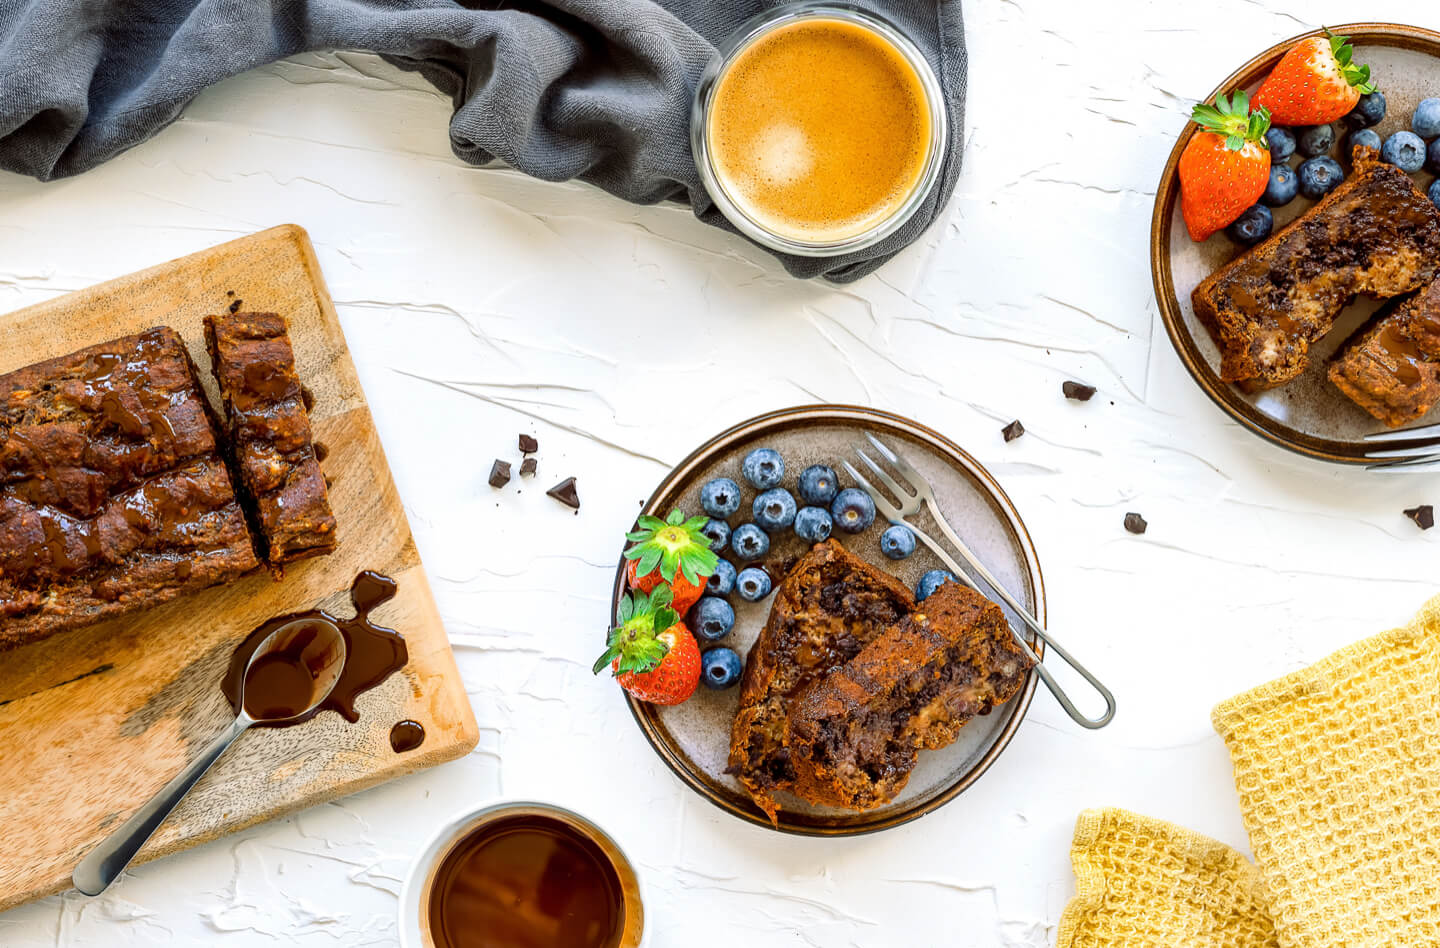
[1012, 430]
[1135, 523]
[1079, 391]
[565, 493]
[527, 467]
[528, 445]
[499, 473]
[1424, 516]
[235, 306]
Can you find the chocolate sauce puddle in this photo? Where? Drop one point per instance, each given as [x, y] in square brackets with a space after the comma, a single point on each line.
[406, 736]
[373, 653]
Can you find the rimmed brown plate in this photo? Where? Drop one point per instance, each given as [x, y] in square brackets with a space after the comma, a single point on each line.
[1309, 415]
[694, 738]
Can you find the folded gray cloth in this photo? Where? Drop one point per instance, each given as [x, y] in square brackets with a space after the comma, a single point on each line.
[592, 89]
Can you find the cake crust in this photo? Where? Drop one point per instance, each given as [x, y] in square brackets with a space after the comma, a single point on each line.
[1391, 367]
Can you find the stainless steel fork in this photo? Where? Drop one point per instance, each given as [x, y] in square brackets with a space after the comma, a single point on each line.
[1416, 451]
[920, 495]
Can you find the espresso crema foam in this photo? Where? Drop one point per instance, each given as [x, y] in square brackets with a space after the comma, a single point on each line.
[819, 130]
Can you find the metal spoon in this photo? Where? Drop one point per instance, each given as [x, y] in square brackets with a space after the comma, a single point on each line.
[289, 675]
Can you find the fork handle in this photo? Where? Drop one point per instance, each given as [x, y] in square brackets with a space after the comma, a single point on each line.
[1030, 621]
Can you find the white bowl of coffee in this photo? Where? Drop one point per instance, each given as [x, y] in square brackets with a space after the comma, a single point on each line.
[521, 874]
[819, 129]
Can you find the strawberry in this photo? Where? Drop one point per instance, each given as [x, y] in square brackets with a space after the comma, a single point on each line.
[650, 653]
[1314, 83]
[1226, 166]
[673, 551]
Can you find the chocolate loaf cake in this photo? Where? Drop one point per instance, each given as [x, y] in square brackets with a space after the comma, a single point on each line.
[854, 735]
[276, 468]
[1391, 367]
[826, 609]
[1376, 233]
[113, 496]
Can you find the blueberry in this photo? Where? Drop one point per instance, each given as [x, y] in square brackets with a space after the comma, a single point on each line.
[764, 468]
[1404, 150]
[1252, 226]
[813, 524]
[720, 498]
[1368, 111]
[818, 485]
[749, 542]
[931, 581]
[712, 618]
[1318, 176]
[1366, 137]
[1426, 120]
[1315, 140]
[774, 510]
[722, 581]
[853, 510]
[1282, 187]
[1434, 192]
[1281, 142]
[720, 667]
[753, 584]
[1432, 157]
[719, 533]
[897, 542]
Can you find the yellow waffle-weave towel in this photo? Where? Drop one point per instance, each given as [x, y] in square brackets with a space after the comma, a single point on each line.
[1338, 771]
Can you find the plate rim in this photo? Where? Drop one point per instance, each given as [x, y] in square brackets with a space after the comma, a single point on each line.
[644, 713]
[1167, 193]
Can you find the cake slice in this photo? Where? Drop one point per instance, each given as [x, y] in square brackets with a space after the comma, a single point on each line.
[855, 735]
[1391, 367]
[113, 495]
[826, 609]
[1376, 233]
[274, 458]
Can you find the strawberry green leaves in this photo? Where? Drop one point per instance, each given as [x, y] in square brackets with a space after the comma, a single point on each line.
[635, 640]
[1232, 118]
[673, 545]
[1354, 73]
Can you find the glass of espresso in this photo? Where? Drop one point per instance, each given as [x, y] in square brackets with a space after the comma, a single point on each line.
[818, 129]
[522, 875]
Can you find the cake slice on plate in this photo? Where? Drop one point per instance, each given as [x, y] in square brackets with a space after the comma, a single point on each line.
[1391, 367]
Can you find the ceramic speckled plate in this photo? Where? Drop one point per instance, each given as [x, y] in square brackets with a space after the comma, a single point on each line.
[694, 738]
[1309, 415]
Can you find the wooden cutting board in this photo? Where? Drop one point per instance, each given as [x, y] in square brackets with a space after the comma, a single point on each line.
[92, 722]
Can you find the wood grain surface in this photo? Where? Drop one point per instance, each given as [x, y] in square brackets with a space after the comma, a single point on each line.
[92, 722]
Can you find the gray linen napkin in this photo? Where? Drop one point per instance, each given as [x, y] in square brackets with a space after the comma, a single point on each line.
[592, 89]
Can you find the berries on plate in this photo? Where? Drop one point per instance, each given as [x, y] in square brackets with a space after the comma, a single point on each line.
[897, 542]
[1319, 176]
[712, 618]
[753, 584]
[1225, 167]
[1369, 111]
[1426, 120]
[818, 485]
[674, 551]
[764, 468]
[722, 581]
[1315, 140]
[774, 510]
[1404, 150]
[720, 668]
[650, 652]
[1315, 82]
[720, 497]
[1434, 192]
[1281, 142]
[853, 510]
[1432, 157]
[1282, 187]
[719, 533]
[1251, 227]
[931, 581]
[749, 542]
[813, 524]
[1362, 138]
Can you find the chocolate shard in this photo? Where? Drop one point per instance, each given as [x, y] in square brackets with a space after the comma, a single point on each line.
[1135, 523]
[565, 493]
[1012, 430]
[527, 467]
[499, 473]
[1078, 391]
[528, 445]
[1424, 516]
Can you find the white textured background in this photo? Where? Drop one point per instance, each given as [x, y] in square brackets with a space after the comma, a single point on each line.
[478, 303]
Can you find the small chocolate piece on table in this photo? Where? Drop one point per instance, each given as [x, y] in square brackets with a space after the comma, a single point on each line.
[1424, 516]
[528, 445]
[499, 473]
[1078, 391]
[527, 467]
[1135, 523]
[565, 493]
[1012, 430]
